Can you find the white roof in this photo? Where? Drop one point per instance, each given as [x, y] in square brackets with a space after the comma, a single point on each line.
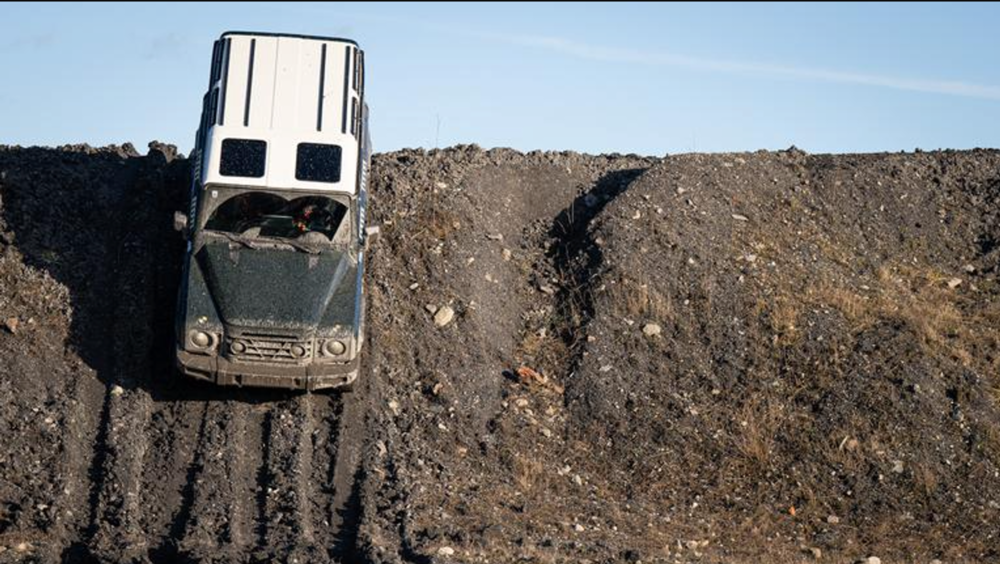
[284, 90]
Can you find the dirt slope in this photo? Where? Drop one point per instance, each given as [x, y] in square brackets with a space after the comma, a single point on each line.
[770, 356]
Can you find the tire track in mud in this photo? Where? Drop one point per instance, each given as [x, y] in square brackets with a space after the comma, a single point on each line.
[79, 432]
[218, 521]
[300, 499]
[119, 512]
[117, 530]
[339, 472]
[258, 487]
[279, 516]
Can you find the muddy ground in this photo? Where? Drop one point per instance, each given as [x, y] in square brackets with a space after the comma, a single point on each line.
[770, 356]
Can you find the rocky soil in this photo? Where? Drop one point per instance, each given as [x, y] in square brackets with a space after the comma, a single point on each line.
[768, 356]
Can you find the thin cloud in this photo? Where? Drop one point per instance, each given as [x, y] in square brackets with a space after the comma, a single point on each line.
[33, 42]
[600, 53]
[630, 56]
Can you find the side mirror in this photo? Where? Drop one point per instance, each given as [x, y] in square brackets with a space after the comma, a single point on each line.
[180, 222]
[371, 234]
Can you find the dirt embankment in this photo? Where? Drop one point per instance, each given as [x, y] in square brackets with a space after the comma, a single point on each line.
[772, 356]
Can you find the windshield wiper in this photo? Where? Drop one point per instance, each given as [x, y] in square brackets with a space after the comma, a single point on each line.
[270, 241]
[237, 239]
[302, 247]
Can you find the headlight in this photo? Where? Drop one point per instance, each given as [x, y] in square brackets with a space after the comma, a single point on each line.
[201, 340]
[334, 347]
[298, 351]
[237, 347]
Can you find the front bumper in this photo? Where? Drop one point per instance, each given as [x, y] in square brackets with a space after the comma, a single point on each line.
[222, 371]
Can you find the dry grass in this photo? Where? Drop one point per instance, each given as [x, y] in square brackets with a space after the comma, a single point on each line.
[857, 309]
[440, 223]
[783, 317]
[528, 473]
[435, 219]
[759, 420]
[947, 320]
[925, 478]
[535, 345]
[640, 299]
[832, 251]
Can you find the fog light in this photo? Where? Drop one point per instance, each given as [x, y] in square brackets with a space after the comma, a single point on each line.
[298, 351]
[237, 347]
[334, 348]
[200, 339]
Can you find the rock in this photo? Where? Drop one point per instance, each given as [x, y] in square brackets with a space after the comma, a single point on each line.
[577, 480]
[440, 185]
[651, 330]
[873, 560]
[954, 283]
[431, 308]
[833, 519]
[394, 406]
[969, 268]
[117, 391]
[446, 551]
[578, 528]
[739, 217]
[444, 316]
[506, 254]
[816, 553]
[414, 286]
[546, 289]
[22, 547]
[495, 236]
[163, 151]
[11, 324]
[897, 466]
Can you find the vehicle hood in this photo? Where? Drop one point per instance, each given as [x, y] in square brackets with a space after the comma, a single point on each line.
[277, 288]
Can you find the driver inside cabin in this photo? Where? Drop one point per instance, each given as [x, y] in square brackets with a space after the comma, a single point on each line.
[261, 214]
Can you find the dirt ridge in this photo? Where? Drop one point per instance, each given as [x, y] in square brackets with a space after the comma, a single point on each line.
[809, 337]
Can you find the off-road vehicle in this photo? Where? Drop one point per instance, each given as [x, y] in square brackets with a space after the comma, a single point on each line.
[272, 291]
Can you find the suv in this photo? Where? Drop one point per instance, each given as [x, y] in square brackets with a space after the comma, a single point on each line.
[272, 290]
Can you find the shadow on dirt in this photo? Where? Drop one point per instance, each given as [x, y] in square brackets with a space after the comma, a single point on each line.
[99, 222]
[577, 257]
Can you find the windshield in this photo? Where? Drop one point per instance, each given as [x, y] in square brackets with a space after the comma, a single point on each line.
[258, 214]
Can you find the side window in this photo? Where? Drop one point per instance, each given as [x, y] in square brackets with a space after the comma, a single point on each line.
[243, 157]
[317, 162]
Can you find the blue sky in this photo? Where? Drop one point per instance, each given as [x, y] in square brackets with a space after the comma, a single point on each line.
[644, 78]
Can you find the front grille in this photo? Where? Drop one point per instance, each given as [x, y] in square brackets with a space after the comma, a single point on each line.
[269, 348]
